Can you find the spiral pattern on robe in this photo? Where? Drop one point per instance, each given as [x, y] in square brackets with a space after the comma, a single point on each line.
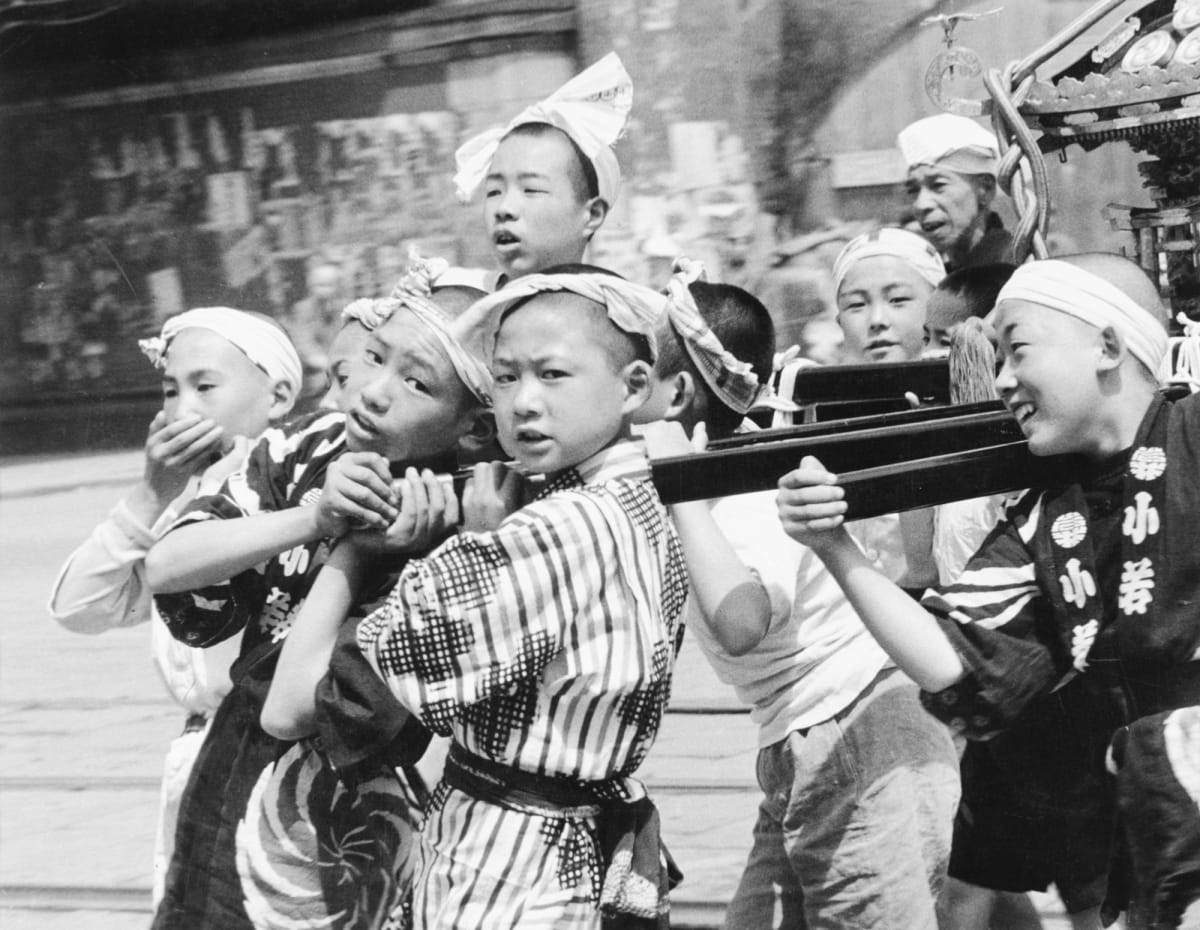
[314, 853]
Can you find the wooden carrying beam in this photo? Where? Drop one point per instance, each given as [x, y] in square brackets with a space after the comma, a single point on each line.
[950, 455]
[928, 379]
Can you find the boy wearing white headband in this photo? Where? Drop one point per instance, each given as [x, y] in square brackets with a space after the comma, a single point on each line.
[542, 640]
[1094, 579]
[226, 376]
[859, 783]
[243, 560]
[951, 183]
[550, 176]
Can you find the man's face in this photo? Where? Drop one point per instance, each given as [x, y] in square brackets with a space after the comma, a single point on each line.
[1048, 377]
[946, 205]
[532, 207]
[559, 395]
[881, 309]
[404, 399]
[207, 375]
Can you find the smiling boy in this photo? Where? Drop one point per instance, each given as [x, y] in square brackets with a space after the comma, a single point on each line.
[1093, 580]
[244, 559]
[550, 176]
[543, 640]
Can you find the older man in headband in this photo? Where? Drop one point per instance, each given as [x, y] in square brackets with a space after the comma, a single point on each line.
[550, 175]
[951, 183]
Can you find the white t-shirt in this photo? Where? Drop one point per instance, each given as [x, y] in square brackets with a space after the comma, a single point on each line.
[817, 656]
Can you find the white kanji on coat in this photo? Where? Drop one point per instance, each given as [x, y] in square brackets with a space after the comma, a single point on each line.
[1137, 587]
[1141, 518]
[276, 617]
[1077, 584]
[1082, 638]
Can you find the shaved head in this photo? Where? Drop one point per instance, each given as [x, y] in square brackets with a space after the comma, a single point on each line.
[1125, 275]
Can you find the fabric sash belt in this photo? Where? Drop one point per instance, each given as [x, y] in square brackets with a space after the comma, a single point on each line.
[638, 871]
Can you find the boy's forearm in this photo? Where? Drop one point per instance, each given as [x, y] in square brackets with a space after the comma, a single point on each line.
[734, 601]
[202, 554]
[906, 631]
[289, 712]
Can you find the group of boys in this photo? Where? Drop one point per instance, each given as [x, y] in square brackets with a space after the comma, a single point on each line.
[536, 622]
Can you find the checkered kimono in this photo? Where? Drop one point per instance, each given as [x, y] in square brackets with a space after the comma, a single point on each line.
[546, 645]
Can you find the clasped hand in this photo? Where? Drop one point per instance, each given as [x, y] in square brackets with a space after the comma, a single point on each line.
[812, 505]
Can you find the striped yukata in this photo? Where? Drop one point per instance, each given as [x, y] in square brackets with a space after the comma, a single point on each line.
[546, 645]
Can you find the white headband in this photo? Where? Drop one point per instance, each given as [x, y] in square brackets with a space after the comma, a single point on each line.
[1088, 297]
[264, 343]
[633, 308]
[893, 243]
[732, 380]
[949, 141]
[592, 109]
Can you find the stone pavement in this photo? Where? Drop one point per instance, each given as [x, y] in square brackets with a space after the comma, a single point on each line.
[84, 724]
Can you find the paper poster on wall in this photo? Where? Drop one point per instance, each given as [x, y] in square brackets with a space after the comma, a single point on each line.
[166, 293]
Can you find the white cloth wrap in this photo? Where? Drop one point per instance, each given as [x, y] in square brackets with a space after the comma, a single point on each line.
[1069, 289]
[732, 380]
[592, 108]
[633, 308]
[264, 343]
[949, 141]
[894, 243]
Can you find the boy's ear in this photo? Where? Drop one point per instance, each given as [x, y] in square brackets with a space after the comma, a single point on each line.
[683, 396]
[1112, 349]
[597, 212]
[480, 434]
[638, 377]
[283, 398]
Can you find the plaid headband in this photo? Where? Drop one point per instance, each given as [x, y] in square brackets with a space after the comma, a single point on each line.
[733, 381]
[414, 291]
[633, 308]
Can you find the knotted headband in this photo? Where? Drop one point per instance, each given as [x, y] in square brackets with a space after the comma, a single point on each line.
[633, 308]
[893, 243]
[1088, 297]
[730, 379]
[261, 341]
[592, 108]
[949, 141]
[415, 291]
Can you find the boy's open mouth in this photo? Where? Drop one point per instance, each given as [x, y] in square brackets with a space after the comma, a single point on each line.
[364, 425]
[1023, 412]
[504, 237]
[530, 436]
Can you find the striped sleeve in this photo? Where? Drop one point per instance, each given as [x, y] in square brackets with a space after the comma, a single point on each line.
[488, 611]
[993, 614]
[208, 615]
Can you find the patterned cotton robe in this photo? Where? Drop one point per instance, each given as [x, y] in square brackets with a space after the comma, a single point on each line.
[274, 834]
[546, 645]
[1099, 583]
